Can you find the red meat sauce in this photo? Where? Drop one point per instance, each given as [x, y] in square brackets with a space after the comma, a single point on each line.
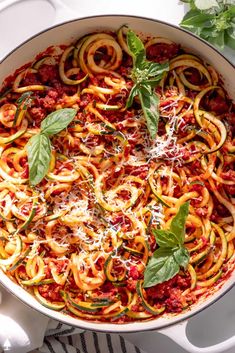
[141, 171]
[169, 293]
[230, 117]
[230, 189]
[161, 52]
[44, 102]
[217, 102]
[194, 77]
[219, 211]
[121, 221]
[229, 175]
[51, 291]
[61, 166]
[10, 79]
[50, 51]
[218, 105]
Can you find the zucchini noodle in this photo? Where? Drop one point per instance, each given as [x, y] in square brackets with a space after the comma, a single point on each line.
[80, 240]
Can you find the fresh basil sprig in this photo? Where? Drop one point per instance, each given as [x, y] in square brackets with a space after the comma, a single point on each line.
[171, 253]
[212, 20]
[39, 146]
[146, 76]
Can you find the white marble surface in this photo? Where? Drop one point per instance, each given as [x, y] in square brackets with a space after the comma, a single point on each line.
[27, 17]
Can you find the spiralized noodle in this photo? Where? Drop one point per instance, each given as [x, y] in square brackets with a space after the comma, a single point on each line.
[81, 239]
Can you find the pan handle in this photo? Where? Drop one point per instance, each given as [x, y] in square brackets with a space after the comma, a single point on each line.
[62, 11]
[178, 333]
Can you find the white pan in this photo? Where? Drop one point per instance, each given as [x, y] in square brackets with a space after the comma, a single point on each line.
[172, 326]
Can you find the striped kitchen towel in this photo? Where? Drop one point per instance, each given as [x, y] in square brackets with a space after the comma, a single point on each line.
[66, 339]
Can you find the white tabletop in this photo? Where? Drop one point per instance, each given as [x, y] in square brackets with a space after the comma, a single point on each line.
[26, 18]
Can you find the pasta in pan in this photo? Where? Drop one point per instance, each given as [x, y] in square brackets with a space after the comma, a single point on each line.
[97, 236]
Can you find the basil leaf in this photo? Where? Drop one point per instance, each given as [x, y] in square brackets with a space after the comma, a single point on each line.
[151, 83]
[145, 89]
[39, 156]
[217, 41]
[209, 32]
[57, 121]
[149, 104]
[230, 34]
[231, 11]
[39, 146]
[182, 257]
[229, 39]
[161, 267]
[165, 238]
[178, 222]
[136, 48]
[196, 19]
[134, 91]
[231, 30]
[155, 69]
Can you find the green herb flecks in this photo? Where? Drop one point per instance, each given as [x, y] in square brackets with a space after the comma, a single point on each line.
[212, 20]
[171, 254]
[146, 76]
[39, 146]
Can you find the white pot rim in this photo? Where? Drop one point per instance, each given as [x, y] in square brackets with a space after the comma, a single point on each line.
[61, 24]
